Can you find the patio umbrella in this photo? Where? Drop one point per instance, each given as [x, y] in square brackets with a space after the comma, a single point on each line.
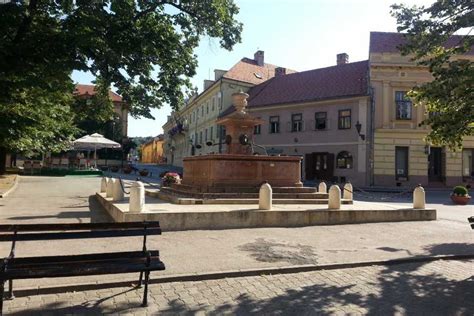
[94, 141]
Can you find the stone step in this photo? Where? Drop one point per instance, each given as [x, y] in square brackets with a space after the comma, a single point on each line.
[274, 201]
[189, 188]
[235, 195]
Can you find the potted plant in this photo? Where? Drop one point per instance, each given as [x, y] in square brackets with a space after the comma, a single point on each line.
[460, 195]
[127, 169]
[143, 172]
[114, 168]
[170, 178]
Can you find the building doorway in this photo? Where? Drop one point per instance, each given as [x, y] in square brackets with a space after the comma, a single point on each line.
[319, 166]
[435, 164]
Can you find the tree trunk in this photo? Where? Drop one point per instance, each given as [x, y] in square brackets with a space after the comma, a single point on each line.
[3, 160]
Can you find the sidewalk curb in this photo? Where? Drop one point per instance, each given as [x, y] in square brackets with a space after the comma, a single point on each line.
[235, 274]
[11, 189]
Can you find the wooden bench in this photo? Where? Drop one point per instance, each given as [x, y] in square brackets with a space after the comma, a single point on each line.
[471, 221]
[143, 261]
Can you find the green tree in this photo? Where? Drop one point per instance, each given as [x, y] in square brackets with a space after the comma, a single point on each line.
[144, 48]
[449, 98]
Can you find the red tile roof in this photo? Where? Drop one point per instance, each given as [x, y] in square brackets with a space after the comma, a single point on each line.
[247, 70]
[386, 42]
[89, 89]
[340, 81]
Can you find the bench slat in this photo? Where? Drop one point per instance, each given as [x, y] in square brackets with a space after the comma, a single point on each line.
[79, 234]
[23, 261]
[76, 226]
[67, 270]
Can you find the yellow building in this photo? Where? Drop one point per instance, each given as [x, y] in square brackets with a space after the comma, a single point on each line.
[400, 155]
[152, 152]
[192, 130]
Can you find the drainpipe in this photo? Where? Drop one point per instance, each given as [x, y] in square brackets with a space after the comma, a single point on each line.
[220, 106]
[372, 136]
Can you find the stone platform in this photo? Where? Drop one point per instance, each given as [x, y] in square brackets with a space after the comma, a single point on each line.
[184, 194]
[175, 217]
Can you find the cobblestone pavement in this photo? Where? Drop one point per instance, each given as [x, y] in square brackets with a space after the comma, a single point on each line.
[434, 288]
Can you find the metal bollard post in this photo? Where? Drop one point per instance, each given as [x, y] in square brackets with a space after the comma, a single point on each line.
[322, 188]
[334, 197]
[265, 197]
[103, 185]
[419, 197]
[117, 192]
[137, 197]
[348, 192]
[110, 187]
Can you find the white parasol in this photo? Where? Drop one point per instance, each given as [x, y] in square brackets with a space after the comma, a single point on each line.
[94, 141]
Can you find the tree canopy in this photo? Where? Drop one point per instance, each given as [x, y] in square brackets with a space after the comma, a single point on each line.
[143, 48]
[449, 98]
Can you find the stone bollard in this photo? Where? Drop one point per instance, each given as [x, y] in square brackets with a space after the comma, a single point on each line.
[103, 185]
[117, 192]
[137, 197]
[322, 188]
[265, 197]
[419, 197]
[110, 187]
[348, 192]
[334, 197]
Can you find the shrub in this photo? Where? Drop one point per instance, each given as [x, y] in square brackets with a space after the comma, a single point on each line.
[143, 172]
[460, 191]
[169, 178]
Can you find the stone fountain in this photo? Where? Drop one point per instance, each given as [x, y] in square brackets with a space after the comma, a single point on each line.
[238, 173]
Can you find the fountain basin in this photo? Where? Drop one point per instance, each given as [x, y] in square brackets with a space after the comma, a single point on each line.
[233, 170]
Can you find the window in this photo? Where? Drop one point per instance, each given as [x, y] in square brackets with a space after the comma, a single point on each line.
[211, 132]
[207, 108]
[320, 120]
[202, 111]
[403, 104]
[257, 129]
[401, 163]
[213, 104]
[344, 160]
[296, 122]
[468, 163]
[217, 131]
[344, 119]
[200, 137]
[205, 135]
[274, 124]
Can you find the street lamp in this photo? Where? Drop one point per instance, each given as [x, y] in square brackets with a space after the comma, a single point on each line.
[358, 128]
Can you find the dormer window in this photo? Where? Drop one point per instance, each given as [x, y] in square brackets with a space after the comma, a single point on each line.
[258, 75]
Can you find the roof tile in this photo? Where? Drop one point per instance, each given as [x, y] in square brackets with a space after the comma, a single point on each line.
[89, 89]
[388, 42]
[345, 80]
[247, 70]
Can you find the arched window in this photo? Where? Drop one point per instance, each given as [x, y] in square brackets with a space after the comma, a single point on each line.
[344, 160]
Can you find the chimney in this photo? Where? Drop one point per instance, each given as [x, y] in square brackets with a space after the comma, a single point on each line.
[342, 59]
[259, 57]
[280, 71]
[218, 73]
[207, 83]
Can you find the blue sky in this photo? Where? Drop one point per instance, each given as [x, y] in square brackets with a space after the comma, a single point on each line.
[297, 34]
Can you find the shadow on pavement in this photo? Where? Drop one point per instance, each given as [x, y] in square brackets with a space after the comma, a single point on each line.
[95, 214]
[410, 289]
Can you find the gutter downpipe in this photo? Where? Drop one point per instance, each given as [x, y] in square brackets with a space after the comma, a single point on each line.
[219, 127]
[372, 135]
